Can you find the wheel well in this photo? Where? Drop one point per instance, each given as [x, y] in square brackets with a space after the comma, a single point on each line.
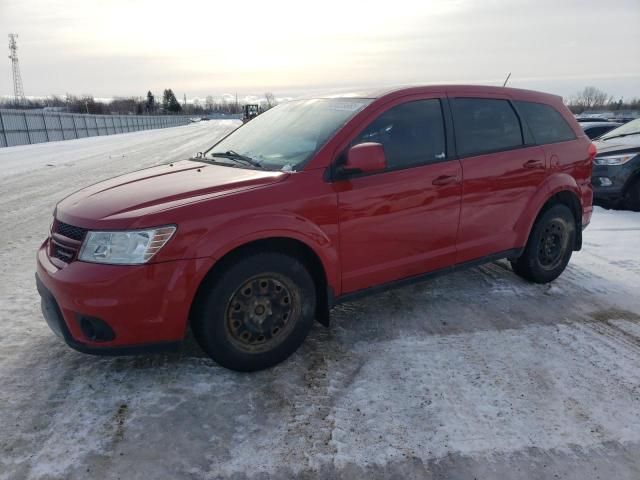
[572, 201]
[287, 246]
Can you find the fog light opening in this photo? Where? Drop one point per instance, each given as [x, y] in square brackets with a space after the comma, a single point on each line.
[95, 329]
[605, 181]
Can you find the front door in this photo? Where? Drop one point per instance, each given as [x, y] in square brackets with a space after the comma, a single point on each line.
[402, 221]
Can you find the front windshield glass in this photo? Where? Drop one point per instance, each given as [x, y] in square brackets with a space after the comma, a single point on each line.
[287, 135]
[626, 129]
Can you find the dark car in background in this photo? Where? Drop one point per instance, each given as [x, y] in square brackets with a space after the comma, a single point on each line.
[595, 129]
[616, 168]
[598, 118]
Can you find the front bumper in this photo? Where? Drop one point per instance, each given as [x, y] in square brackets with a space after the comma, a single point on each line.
[609, 181]
[144, 308]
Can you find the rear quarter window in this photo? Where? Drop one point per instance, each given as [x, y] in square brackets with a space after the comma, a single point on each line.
[546, 124]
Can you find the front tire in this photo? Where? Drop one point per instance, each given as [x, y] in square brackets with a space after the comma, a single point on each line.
[256, 313]
[549, 247]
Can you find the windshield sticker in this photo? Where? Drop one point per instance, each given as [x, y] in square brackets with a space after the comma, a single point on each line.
[346, 106]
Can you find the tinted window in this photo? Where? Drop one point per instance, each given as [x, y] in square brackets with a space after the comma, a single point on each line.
[485, 125]
[411, 133]
[545, 122]
[594, 132]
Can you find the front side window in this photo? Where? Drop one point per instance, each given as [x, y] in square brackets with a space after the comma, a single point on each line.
[288, 135]
[484, 125]
[411, 133]
[545, 122]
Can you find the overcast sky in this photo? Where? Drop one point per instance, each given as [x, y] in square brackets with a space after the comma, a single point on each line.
[126, 47]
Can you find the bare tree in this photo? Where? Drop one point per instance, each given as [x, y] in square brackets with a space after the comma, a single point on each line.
[588, 98]
[271, 100]
[209, 102]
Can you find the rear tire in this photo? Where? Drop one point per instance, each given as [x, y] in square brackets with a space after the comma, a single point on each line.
[255, 313]
[549, 247]
[632, 196]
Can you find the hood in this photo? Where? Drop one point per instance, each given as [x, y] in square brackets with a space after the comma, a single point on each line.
[630, 143]
[158, 188]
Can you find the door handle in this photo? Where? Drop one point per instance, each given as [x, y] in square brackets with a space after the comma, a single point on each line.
[445, 180]
[533, 164]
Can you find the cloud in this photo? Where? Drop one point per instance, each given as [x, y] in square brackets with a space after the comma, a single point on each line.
[200, 47]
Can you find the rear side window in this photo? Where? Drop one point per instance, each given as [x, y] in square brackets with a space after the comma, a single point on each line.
[485, 125]
[545, 122]
[411, 133]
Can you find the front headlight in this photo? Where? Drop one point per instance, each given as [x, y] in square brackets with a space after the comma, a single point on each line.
[614, 159]
[124, 248]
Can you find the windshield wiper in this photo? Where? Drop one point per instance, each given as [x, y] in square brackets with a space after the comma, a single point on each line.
[231, 155]
[619, 135]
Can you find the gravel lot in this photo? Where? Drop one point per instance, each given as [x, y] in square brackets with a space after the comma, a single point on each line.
[472, 375]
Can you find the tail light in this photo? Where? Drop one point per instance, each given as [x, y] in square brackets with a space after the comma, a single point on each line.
[593, 151]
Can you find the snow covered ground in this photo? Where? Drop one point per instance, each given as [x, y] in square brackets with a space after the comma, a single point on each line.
[477, 374]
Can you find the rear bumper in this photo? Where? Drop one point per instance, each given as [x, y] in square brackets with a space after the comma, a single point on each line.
[143, 308]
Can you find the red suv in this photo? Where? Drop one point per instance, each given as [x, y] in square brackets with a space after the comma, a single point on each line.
[316, 202]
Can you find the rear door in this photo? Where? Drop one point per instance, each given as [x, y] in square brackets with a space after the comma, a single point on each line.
[501, 169]
[402, 221]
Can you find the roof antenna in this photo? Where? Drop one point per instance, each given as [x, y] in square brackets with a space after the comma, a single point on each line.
[506, 80]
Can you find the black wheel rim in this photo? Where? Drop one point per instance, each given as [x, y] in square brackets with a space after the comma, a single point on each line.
[553, 244]
[262, 312]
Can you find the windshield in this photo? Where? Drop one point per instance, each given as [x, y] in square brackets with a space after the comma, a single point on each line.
[626, 129]
[288, 135]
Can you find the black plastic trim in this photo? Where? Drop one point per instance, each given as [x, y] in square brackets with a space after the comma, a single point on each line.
[142, 349]
[527, 135]
[447, 114]
[512, 253]
[95, 329]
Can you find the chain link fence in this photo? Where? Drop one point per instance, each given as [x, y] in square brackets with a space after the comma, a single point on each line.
[23, 127]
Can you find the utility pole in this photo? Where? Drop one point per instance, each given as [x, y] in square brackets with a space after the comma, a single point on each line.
[18, 91]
